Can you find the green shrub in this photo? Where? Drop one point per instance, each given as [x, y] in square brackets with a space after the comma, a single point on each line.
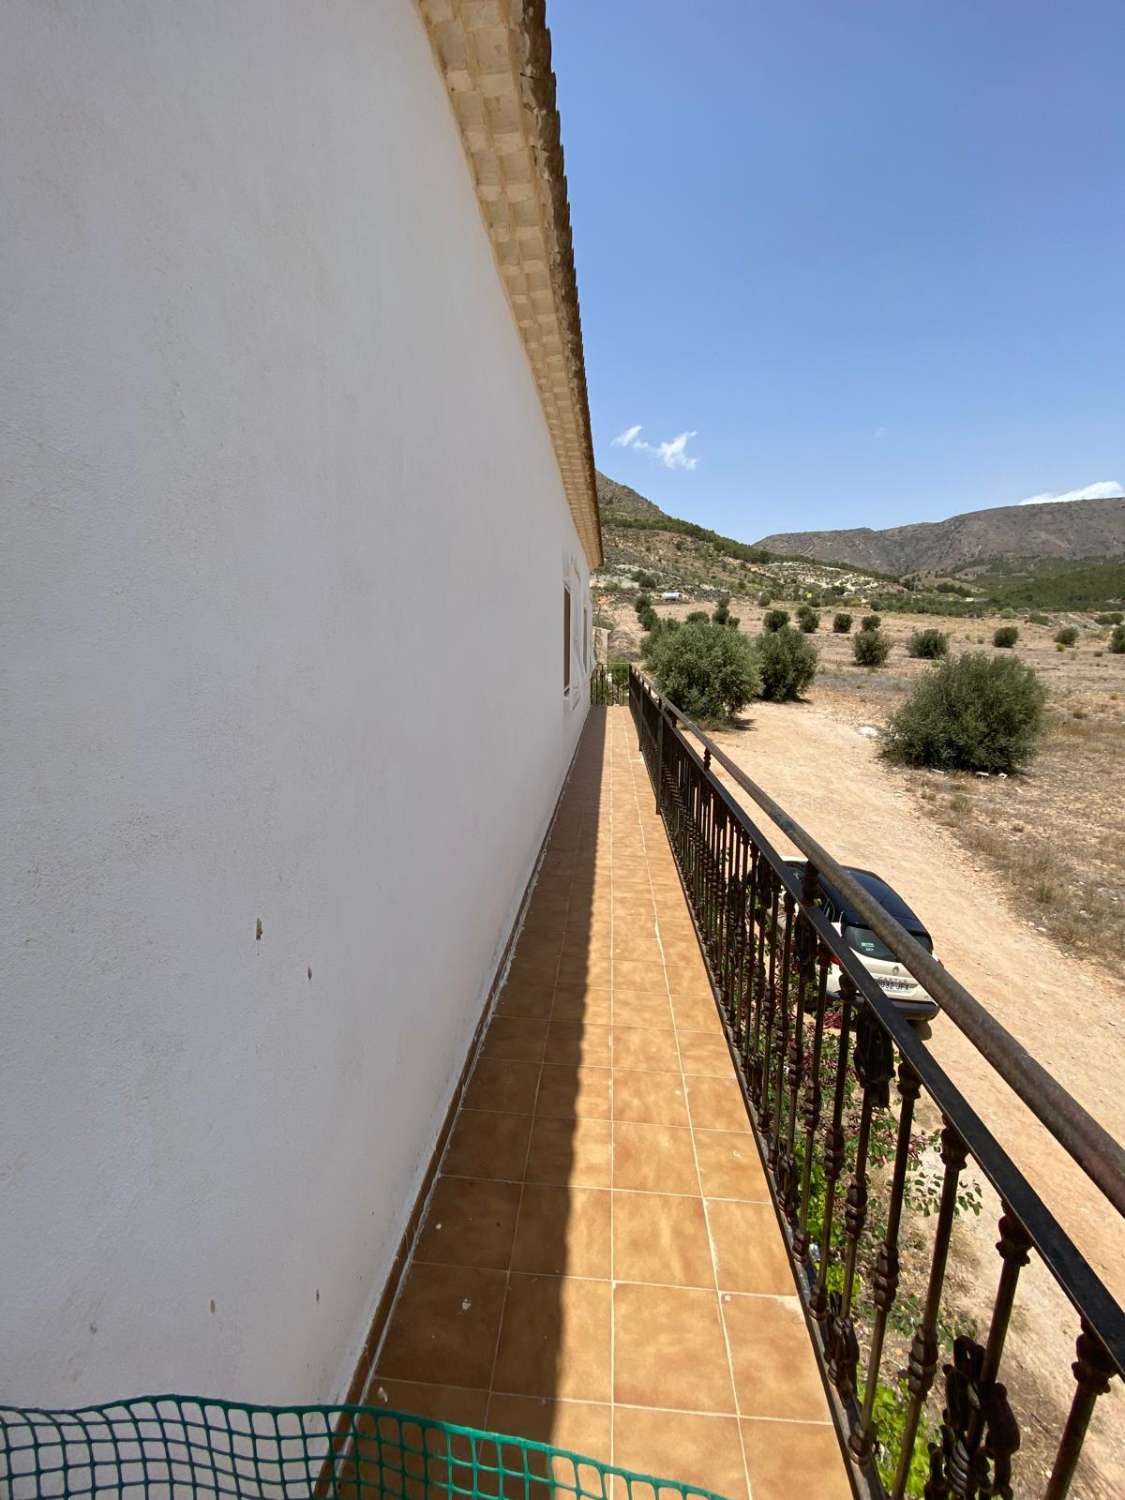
[765, 599]
[648, 617]
[973, 713]
[705, 669]
[1035, 618]
[1067, 636]
[619, 673]
[928, 644]
[808, 619]
[841, 623]
[722, 610]
[870, 648]
[1117, 640]
[1006, 635]
[1114, 617]
[645, 580]
[786, 663]
[697, 617]
[642, 602]
[775, 619]
[871, 622]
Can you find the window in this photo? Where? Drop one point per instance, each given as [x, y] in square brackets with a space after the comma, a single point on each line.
[566, 639]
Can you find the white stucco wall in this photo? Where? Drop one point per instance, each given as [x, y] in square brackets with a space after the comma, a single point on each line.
[284, 545]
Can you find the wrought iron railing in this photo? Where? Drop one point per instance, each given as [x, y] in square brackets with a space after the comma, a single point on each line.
[816, 1064]
[609, 685]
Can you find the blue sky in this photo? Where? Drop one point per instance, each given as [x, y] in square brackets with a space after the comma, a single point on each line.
[869, 253]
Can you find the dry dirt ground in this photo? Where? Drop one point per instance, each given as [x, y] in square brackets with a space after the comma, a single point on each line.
[1066, 1005]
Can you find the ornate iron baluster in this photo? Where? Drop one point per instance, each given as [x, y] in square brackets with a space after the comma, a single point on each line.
[782, 1027]
[834, 1147]
[764, 1112]
[811, 1110]
[862, 1439]
[922, 1364]
[1093, 1371]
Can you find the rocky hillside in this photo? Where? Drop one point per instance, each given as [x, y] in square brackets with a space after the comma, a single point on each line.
[1069, 531]
[636, 534]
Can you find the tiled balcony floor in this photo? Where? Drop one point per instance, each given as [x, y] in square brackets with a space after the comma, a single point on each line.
[600, 1267]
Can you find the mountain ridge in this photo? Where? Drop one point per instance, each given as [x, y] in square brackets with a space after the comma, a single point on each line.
[1068, 531]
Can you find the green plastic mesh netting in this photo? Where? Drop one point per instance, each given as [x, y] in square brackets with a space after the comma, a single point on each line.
[184, 1446]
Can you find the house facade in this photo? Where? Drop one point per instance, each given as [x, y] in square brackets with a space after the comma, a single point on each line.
[300, 518]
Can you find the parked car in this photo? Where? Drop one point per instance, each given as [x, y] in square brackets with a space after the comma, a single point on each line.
[893, 977]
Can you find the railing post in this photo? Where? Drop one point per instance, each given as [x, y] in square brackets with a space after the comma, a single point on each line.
[659, 756]
[1093, 1372]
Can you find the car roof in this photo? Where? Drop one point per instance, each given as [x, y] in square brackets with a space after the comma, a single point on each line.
[887, 897]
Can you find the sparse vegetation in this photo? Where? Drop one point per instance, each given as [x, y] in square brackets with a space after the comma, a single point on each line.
[1114, 617]
[1005, 636]
[870, 647]
[775, 619]
[706, 669]
[871, 622]
[1035, 618]
[841, 623]
[786, 663]
[808, 619]
[1117, 640]
[644, 580]
[765, 599]
[1067, 636]
[697, 617]
[928, 644]
[974, 713]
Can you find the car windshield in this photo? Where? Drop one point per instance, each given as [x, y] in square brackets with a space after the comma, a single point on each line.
[867, 945]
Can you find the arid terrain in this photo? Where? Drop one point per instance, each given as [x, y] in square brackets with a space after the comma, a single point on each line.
[1021, 881]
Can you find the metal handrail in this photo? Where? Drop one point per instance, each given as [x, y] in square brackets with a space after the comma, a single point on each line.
[1089, 1144]
[752, 909]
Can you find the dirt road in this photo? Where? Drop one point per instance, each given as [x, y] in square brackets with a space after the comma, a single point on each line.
[1068, 1014]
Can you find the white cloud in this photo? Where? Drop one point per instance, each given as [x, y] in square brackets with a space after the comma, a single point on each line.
[672, 453]
[1104, 489]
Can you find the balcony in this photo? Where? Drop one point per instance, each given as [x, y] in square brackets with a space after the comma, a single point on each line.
[663, 1235]
[672, 1227]
[600, 1266]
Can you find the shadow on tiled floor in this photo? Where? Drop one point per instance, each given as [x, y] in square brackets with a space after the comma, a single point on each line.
[600, 1267]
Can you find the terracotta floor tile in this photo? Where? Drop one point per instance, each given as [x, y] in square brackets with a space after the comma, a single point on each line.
[695, 1013]
[775, 1371]
[482, 1144]
[508, 1087]
[653, 1158]
[576, 1152]
[537, 966]
[555, 1339]
[579, 1002]
[657, 1238]
[445, 1403]
[729, 1165]
[522, 998]
[583, 1427]
[706, 1052]
[750, 1253]
[650, 1010]
[704, 1451]
[579, 1042]
[590, 969]
[668, 1349]
[518, 1037]
[563, 1231]
[785, 1459]
[573, 1091]
[644, 1050]
[631, 974]
[444, 1326]
[470, 1222]
[635, 945]
[649, 1098]
[716, 1104]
